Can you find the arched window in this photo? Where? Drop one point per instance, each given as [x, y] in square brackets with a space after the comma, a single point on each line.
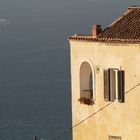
[86, 84]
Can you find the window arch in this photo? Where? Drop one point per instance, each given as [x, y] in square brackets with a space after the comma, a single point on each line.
[86, 84]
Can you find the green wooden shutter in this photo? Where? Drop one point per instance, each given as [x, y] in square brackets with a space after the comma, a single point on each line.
[112, 79]
[106, 86]
[121, 86]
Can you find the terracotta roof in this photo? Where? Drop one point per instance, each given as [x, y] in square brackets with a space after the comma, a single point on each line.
[126, 29]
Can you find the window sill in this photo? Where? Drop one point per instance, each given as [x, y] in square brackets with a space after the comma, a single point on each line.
[86, 101]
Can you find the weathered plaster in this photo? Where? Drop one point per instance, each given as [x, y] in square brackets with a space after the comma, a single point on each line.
[118, 119]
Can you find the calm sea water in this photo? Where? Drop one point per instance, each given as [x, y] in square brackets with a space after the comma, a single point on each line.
[34, 82]
[34, 62]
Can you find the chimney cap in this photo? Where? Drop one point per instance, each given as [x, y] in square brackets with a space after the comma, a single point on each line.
[97, 25]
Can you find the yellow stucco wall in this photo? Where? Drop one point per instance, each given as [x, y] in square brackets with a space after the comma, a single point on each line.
[118, 119]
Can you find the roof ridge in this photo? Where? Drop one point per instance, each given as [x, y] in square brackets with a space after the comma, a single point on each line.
[118, 19]
[133, 7]
[124, 14]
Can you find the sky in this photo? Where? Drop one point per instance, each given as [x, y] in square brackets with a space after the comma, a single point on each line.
[58, 6]
[60, 17]
[64, 7]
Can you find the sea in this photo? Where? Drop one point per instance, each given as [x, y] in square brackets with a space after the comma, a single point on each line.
[35, 95]
[35, 91]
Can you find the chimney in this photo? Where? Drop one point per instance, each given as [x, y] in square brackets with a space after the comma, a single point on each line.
[96, 29]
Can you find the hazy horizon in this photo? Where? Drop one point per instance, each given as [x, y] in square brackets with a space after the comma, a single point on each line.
[67, 14]
[58, 19]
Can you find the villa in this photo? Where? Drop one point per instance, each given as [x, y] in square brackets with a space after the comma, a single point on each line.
[105, 80]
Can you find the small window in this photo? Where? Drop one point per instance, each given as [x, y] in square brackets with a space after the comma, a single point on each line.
[114, 137]
[114, 85]
[86, 84]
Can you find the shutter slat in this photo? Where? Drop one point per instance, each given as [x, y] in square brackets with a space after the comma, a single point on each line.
[112, 84]
[106, 86]
[121, 86]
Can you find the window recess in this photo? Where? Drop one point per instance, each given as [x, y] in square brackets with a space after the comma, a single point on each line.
[114, 85]
[86, 84]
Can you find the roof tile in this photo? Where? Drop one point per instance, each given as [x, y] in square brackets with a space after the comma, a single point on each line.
[125, 29]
